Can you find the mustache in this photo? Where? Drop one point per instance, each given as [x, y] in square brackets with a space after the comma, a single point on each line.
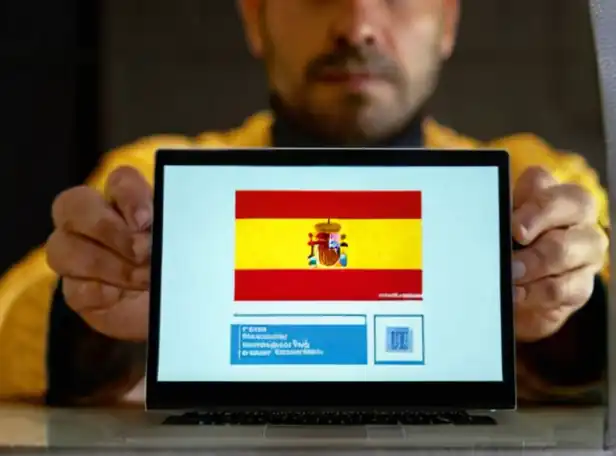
[354, 59]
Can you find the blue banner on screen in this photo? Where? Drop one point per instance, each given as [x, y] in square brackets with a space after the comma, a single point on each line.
[301, 344]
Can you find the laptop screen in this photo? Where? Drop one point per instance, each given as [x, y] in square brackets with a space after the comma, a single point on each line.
[328, 274]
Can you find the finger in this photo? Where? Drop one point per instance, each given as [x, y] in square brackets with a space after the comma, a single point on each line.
[73, 256]
[559, 251]
[570, 290]
[128, 190]
[556, 207]
[82, 210]
[532, 325]
[85, 294]
[109, 310]
[533, 180]
[142, 247]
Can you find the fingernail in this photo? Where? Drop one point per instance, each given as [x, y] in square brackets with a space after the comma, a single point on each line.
[143, 218]
[518, 270]
[523, 230]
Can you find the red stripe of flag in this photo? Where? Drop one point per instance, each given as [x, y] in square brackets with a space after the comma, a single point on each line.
[327, 285]
[328, 204]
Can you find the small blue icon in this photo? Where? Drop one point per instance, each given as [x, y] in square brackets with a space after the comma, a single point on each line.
[343, 260]
[312, 261]
[399, 340]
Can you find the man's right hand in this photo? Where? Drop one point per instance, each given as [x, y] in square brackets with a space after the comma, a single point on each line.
[101, 249]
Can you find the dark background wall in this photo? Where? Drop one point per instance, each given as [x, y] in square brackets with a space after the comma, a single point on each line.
[49, 91]
[77, 80]
[521, 65]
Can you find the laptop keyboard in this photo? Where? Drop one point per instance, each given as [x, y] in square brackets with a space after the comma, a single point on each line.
[358, 418]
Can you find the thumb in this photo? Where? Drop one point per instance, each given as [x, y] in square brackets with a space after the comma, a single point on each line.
[532, 181]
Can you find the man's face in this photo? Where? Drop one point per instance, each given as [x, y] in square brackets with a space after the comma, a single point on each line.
[352, 70]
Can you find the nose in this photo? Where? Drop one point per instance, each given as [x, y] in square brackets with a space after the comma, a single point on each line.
[358, 23]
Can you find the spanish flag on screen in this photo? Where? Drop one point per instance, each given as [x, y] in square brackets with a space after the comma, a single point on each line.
[328, 245]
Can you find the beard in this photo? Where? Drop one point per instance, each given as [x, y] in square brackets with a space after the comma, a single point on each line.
[348, 118]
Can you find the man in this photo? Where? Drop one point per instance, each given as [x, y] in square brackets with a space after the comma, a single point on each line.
[341, 72]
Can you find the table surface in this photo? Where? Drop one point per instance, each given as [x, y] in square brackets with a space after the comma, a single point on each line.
[110, 430]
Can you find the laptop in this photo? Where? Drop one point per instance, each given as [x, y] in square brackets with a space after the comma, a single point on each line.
[343, 292]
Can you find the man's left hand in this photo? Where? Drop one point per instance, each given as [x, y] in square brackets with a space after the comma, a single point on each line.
[563, 250]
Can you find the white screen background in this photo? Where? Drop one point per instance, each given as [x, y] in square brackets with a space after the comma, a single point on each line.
[461, 267]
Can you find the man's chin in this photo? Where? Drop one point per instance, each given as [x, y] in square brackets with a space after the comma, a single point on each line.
[348, 104]
[350, 118]
[353, 98]
[347, 129]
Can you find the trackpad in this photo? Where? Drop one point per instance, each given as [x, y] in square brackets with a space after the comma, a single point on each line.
[315, 432]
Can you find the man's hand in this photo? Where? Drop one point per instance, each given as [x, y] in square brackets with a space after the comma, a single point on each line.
[101, 249]
[563, 251]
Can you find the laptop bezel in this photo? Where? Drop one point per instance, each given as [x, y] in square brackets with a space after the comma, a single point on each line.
[334, 395]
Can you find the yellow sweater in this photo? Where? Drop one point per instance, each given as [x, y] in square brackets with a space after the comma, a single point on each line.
[26, 290]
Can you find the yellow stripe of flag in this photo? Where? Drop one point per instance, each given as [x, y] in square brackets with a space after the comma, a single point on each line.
[283, 243]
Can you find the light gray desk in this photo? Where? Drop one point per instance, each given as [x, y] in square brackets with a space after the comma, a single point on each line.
[129, 431]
